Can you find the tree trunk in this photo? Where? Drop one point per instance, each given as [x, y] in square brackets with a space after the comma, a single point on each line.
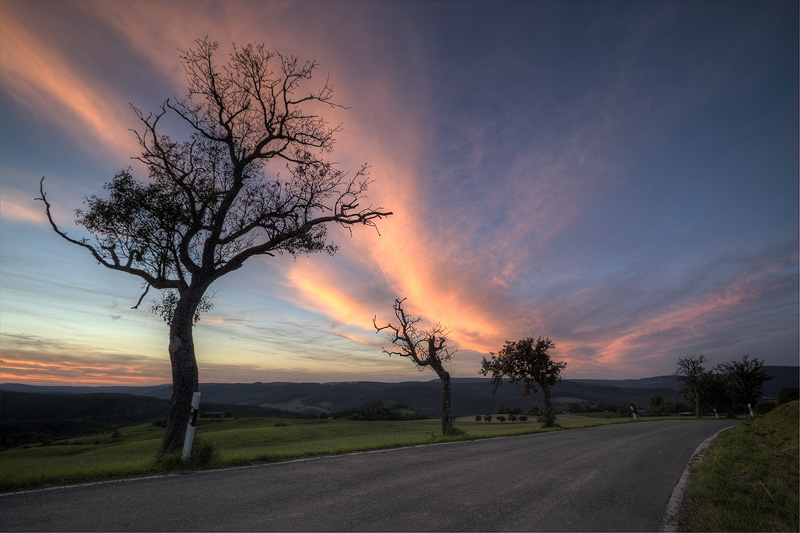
[447, 419]
[185, 380]
[549, 415]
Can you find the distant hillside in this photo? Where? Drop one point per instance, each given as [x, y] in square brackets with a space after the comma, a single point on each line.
[62, 411]
[27, 417]
[469, 396]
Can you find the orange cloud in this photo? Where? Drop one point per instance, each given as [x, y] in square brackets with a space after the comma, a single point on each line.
[39, 77]
[328, 295]
[45, 369]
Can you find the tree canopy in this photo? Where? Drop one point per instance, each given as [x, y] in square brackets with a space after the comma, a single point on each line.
[219, 198]
[745, 379]
[529, 362]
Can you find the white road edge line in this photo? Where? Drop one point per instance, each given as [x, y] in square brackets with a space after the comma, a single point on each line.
[670, 524]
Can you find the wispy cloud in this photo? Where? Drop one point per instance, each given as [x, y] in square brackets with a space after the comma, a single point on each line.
[41, 78]
[38, 360]
[20, 207]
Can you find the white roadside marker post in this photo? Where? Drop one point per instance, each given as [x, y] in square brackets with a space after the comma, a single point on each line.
[187, 443]
[633, 412]
[715, 414]
[752, 414]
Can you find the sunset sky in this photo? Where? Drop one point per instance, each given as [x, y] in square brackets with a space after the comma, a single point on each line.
[621, 177]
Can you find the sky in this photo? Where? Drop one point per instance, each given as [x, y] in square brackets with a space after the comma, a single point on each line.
[621, 177]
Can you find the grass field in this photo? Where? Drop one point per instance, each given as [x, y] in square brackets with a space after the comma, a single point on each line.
[748, 480]
[239, 442]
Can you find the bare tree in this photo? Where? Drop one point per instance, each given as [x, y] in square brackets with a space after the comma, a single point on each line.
[527, 360]
[426, 348]
[693, 375]
[252, 180]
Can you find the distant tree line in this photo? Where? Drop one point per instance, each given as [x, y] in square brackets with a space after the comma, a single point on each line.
[377, 413]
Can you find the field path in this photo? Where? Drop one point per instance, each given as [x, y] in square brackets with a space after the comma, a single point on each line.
[609, 478]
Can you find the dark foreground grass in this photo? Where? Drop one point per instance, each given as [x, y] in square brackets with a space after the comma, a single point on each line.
[237, 442]
[748, 480]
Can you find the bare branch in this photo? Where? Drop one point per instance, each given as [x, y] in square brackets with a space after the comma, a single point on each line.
[114, 264]
[426, 347]
[139, 302]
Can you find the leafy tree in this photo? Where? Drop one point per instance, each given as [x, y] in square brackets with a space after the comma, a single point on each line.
[488, 418]
[252, 180]
[715, 391]
[502, 418]
[523, 418]
[527, 361]
[692, 373]
[426, 348]
[512, 418]
[478, 418]
[745, 379]
[656, 401]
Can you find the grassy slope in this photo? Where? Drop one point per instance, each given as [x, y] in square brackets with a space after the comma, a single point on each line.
[748, 481]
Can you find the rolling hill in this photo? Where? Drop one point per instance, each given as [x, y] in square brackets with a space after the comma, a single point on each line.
[64, 411]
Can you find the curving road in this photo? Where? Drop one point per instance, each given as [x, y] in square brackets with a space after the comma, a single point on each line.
[609, 478]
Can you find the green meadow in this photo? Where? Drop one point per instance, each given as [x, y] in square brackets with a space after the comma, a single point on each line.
[236, 442]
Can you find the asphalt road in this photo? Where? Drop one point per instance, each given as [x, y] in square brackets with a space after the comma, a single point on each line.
[610, 478]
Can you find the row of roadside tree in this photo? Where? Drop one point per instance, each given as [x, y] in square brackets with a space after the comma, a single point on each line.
[732, 387]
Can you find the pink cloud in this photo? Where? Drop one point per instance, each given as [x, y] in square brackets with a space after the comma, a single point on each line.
[666, 333]
[20, 207]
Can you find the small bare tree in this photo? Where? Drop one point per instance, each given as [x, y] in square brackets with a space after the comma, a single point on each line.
[426, 348]
[252, 180]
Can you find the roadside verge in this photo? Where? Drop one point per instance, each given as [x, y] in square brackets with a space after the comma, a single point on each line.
[670, 522]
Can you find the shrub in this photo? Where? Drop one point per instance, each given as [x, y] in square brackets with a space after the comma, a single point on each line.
[204, 453]
[788, 394]
[765, 407]
[457, 432]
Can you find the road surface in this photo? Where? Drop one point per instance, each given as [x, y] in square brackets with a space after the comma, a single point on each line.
[609, 478]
